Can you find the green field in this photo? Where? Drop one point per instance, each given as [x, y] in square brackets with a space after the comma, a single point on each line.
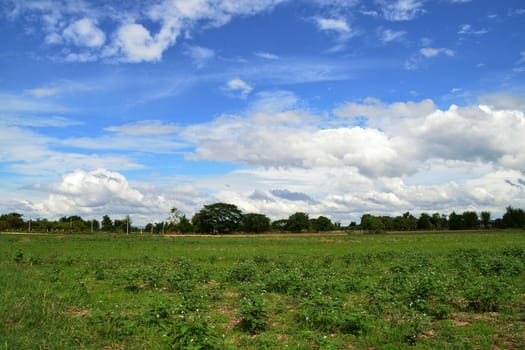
[387, 291]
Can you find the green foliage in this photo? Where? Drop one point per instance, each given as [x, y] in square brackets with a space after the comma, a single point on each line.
[514, 218]
[217, 218]
[372, 223]
[192, 334]
[255, 223]
[322, 224]
[327, 314]
[298, 222]
[252, 313]
[19, 256]
[385, 291]
[242, 271]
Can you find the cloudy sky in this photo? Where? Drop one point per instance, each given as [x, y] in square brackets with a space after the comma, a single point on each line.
[335, 108]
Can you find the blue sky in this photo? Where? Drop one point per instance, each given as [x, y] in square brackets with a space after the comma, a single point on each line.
[334, 108]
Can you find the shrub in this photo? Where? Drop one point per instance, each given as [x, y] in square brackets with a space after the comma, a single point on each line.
[252, 313]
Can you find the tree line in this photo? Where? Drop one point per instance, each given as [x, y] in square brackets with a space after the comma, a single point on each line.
[225, 218]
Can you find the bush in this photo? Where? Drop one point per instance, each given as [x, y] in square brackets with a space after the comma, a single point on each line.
[252, 313]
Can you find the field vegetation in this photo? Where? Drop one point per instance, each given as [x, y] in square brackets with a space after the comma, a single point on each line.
[439, 290]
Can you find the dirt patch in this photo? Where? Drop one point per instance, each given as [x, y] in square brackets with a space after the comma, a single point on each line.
[78, 312]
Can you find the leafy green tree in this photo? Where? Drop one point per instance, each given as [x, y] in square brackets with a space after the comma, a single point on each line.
[107, 224]
[372, 223]
[439, 222]
[322, 224]
[485, 219]
[12, 221]
[279, 225]
[514, 218]
[255, 223]
[298, 222]
[455, 221]
[470, 220]
[184, 225]
[424, 222]
[73, 223]
[217, 218]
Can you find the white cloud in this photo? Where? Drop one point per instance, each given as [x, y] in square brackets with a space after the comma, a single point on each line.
[266, 55]
[388, 35]
[133, 40]
[433, 52]
[238, 86]
[338, 25]
[466, 29]
[380, 115]
[145, 127]
[15, 104]
[504, 101]
[136, 44]
[85, 32]
[43, 92]
[401, 10]
[200, 55]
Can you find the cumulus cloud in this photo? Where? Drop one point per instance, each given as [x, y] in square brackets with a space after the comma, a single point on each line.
[423, 159]
[401, 10]
[135, 43]
[84, 32]
[237, 87]
[134, 40]
[99, 192]
[338, 25]
[433, 52]
[87, 192]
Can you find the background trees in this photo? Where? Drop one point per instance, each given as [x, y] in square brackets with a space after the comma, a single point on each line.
[224, 218]
[255, 223]
[298, 222]
[513, 218]
[217, 218]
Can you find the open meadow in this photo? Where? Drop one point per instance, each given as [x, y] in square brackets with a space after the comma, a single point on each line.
[463, 290]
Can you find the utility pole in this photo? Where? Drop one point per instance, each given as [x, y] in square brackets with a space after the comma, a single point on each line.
[29, 224]
[127, 225]
[91, 225]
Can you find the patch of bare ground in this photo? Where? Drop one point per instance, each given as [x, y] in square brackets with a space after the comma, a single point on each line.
[78, 312]
[231, 314]
[510, 335]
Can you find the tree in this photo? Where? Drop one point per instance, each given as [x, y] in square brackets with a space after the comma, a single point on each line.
[424, 222]
[184, 225]
[298, 222]
[107, 224]
[217, 218]
[255, 223]
[12, 221]
[470, 220]
[174, 219]
[514, 218]
[485, 219]
[372, 223]
[455, 221]
[439, 222]
[279, 225]
[322, 224]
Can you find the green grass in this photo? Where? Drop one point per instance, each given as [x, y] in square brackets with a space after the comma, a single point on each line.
[390, 291]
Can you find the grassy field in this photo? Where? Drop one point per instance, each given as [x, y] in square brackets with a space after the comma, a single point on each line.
[389, 291]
